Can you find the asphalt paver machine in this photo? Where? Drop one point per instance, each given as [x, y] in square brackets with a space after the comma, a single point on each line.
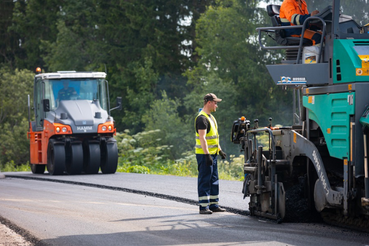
[325, 151]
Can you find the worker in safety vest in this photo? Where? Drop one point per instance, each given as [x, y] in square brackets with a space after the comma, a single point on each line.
[207, 148]
[295, 12]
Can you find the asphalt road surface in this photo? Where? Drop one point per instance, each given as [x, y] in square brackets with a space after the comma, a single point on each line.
[124, 209]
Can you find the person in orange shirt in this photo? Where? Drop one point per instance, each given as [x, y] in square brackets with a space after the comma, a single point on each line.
[295, 12]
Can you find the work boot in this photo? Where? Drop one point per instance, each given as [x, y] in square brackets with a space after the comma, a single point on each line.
[218, 209]
[205, 211]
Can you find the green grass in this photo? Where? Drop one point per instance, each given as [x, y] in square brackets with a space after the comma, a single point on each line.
[12, 167]
[187, 167]
[228, 170]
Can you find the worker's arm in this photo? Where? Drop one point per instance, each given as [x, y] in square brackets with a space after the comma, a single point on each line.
[204, 144]
[292, 14]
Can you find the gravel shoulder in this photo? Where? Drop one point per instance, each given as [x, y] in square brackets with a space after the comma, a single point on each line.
[12, 237]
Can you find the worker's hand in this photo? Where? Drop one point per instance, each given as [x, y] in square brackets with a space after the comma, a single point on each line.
[209, 160]
[222, 154]
[315, 12]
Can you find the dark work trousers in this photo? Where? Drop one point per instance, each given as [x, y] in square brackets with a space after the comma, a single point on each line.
[207, 182]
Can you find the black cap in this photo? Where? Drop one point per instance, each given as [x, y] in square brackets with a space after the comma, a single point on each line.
[211, 97]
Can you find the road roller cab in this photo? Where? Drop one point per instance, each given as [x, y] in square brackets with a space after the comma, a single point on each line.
[73, 130]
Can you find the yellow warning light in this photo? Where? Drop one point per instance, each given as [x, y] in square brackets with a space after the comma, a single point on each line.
[243, 118]
[38, 70]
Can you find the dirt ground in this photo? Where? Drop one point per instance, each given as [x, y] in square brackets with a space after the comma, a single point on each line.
[9, 237]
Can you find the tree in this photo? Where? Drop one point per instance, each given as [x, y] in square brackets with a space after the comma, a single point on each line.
[163, 115]
[228, 47]
[228, 109]
[34, 22]
[137, 83]
[15, 86]
[68, 52]
[120, 37]
[7, 39]
[233, 65]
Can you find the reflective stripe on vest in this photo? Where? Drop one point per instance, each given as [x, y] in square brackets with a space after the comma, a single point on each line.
[212, 137]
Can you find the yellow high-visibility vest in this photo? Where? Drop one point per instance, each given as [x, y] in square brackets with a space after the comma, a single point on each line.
[212, 137]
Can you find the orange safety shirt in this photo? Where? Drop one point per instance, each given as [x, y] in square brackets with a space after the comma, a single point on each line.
[291, 13]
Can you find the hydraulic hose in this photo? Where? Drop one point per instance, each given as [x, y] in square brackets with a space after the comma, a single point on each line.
[366, 168]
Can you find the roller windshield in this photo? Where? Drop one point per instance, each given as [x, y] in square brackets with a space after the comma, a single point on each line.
[75, 89]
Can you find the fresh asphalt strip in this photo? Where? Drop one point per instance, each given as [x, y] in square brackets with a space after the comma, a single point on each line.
[140, 192]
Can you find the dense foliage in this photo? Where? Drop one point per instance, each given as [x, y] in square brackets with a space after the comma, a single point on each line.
[15, 86]
[161, 57]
